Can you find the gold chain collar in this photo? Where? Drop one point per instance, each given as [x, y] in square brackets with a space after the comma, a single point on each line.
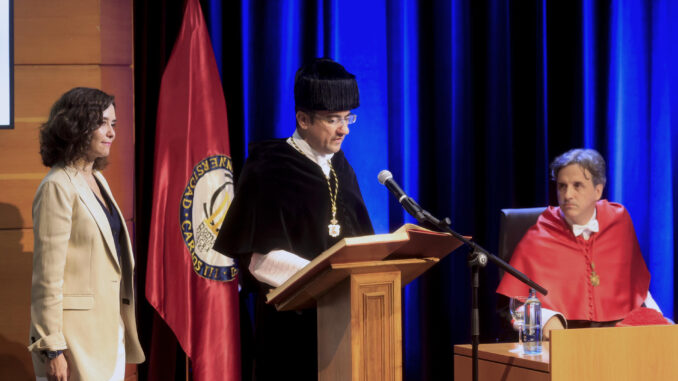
[334, 228]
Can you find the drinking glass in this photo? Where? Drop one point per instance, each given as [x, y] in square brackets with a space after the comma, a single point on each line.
[517, 308]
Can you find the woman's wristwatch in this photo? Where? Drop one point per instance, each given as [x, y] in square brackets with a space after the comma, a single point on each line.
[52, 354]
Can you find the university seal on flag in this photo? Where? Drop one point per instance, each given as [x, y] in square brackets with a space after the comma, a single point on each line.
[204, 204]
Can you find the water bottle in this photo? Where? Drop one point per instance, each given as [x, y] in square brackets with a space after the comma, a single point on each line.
[532, 325]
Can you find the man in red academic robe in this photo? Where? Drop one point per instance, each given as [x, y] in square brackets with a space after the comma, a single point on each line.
[584, 252]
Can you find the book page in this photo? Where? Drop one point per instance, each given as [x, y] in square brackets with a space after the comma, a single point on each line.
[275, 267]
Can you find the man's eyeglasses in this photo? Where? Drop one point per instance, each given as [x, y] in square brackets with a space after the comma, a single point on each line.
[336, 121]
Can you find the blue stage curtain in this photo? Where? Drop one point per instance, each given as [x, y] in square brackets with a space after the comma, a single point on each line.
[642, 116]
[467, 102]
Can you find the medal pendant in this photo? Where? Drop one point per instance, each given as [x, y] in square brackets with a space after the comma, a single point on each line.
[595, 279]
[334, 228]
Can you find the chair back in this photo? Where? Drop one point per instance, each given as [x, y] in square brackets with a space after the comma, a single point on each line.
[513, 225]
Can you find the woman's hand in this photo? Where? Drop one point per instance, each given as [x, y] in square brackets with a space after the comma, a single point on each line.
[57, 369]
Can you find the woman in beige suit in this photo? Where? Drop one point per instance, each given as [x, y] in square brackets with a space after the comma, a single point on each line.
[83, 323]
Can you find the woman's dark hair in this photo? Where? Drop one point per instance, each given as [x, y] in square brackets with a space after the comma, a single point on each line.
[66, 135]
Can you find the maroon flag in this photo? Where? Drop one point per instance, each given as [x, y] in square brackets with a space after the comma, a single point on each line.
[194, 288]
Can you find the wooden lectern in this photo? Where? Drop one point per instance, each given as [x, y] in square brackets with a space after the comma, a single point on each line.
[355, 286]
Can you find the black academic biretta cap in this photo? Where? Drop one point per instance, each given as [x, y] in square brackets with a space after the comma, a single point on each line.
[325, 85]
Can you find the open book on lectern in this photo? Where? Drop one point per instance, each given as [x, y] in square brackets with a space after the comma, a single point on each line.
[410, 244]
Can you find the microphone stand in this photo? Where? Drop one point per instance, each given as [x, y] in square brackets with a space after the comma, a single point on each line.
[476, 259]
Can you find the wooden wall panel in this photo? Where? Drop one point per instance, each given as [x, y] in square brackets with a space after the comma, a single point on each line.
[16, 258]
[21, 154]
[37, 87]
[19, 194]
[57, 32]
[117, 32]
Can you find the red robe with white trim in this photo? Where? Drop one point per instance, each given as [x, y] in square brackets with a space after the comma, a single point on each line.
[569, 266]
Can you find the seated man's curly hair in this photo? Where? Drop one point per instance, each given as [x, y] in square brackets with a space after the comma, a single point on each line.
[65, 137]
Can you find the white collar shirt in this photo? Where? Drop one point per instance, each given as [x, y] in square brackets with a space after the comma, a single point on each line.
[322, 160]
[587, 229]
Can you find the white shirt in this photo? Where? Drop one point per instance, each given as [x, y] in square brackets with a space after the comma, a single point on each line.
[321, 159]
[584, 230]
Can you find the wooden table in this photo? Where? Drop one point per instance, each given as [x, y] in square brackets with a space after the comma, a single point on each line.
[501, 361]
[590, 354]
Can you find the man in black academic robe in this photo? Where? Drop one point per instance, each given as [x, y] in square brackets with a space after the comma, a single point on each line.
[296, 197]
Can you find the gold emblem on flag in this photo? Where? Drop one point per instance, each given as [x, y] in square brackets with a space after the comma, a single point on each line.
[208, 229]
[204, 203]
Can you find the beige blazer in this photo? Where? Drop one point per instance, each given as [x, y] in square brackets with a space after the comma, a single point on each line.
[79, 294]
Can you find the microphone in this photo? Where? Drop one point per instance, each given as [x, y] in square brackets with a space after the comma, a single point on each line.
[385, 177]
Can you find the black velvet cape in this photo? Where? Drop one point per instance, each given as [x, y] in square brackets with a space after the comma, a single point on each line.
[282, 201]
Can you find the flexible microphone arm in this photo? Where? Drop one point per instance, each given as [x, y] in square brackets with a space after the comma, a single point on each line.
[425, 218]
[445, 226]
